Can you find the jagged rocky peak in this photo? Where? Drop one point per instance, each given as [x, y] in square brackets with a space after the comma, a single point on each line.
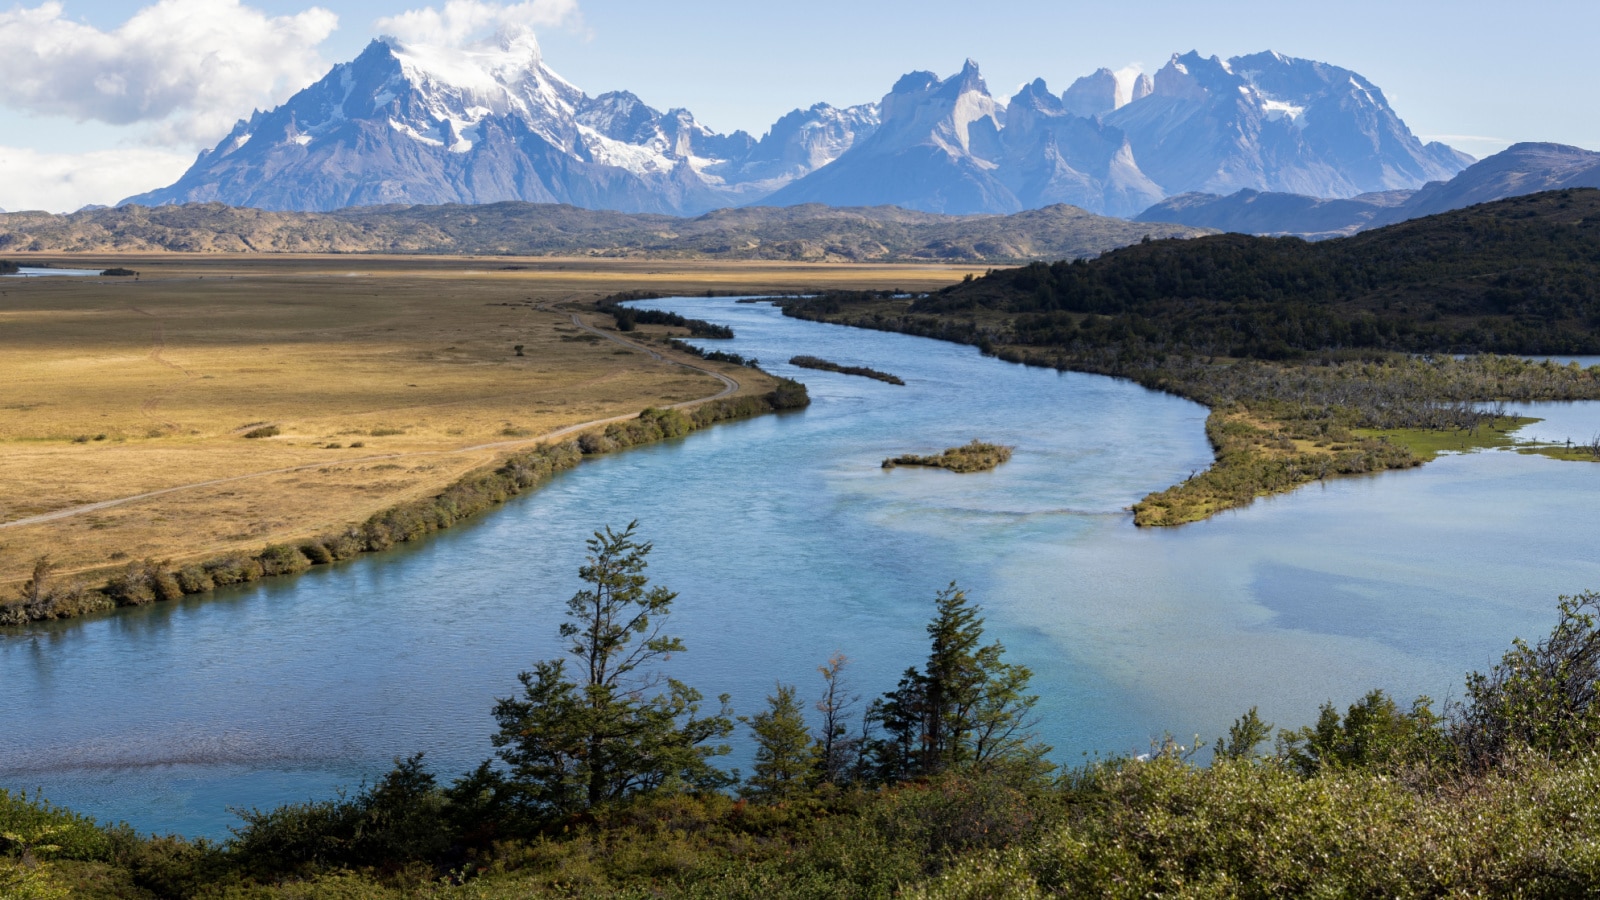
[621, 116]
[1095, 94]
[807, 139]
[1189, 76]
[1031, 104]
[1143, 86]
[968, 81]
[957, 113]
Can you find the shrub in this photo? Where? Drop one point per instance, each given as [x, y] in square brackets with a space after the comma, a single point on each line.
[143, 582]
[235, 568]
[596, 442]
[264, 431]
[77, 836]
[282, 559]
[1545, 697]
[194, 579]
[317, 552]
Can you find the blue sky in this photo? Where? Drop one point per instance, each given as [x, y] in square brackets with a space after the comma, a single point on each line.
[1476, 74]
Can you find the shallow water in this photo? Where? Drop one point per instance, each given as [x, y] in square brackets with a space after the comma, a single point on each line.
[31, 272]
[787, 542]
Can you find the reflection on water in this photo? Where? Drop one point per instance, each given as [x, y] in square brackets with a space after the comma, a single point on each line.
[787, 542]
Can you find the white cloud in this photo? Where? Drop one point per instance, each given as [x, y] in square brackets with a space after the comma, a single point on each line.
[63, 182]
[463, 20]
[185, 69]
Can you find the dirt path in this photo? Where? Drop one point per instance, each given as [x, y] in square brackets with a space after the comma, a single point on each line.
[730, 386]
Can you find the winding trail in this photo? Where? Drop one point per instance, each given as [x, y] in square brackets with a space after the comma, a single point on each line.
[730, 386]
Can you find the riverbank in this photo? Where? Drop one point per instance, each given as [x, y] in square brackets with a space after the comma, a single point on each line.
[1492, 796]
[125, 405]
[143, 582]
[1274, 426]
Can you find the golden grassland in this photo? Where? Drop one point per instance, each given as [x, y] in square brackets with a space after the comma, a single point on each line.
[386, 379]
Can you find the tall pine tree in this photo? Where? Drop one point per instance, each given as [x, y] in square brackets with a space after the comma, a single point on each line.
[573, 743]
[967, 706]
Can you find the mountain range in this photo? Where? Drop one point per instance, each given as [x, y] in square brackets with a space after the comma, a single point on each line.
[408, 123]
[1521, 169]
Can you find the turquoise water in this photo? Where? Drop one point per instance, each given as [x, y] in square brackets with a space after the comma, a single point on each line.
[786, 543]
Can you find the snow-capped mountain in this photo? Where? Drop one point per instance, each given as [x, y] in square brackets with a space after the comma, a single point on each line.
[1274, 123]
[1265, 122]
[937, 148]
[410, 123]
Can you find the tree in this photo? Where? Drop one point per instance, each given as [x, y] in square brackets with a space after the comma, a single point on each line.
[1374, 732]
[1246, 733]
[37, 588]
[574, 744]
[837, 752]
[966, 707]
[786, 759]
[1545, 697]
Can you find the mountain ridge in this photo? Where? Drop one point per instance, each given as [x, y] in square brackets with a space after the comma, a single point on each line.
[1520, 169]
[418, 124]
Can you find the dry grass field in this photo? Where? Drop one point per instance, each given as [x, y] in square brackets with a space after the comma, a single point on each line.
[384, 378]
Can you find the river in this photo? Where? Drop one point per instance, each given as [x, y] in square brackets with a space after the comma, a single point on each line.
[786, 542]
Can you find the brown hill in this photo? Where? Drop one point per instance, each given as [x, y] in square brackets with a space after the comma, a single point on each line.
[811, 232]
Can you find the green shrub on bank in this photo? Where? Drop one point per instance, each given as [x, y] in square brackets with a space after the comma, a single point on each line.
[74, 836]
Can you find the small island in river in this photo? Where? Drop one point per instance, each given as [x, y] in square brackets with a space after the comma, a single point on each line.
[974, 457]
[812, 362]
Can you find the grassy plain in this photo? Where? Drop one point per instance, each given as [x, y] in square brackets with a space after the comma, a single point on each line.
[1427, 444]
[386, 379]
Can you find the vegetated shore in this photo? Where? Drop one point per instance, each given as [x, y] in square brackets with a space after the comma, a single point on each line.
[392, 383]
[944, 793]
[148, 581]
[1276, 426]
[1316, 360]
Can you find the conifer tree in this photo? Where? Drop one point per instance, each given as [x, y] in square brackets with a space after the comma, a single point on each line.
[967, 706]
[577, 743]
[786, 758]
